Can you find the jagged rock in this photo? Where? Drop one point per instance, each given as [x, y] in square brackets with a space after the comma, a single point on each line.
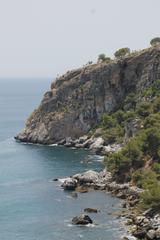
[111, 148]
[158, 233]
[69, 184]
[82, 139]
[139, 219]
[132, 128]
[151, 234]
[105, 176]
[85, 144]
[132, 203]
[87, 177]
[82, 220]
[140, 234]
[91, 210]
[77, 100]
[62, 142]
[121, 195]
[129, 222]
[97, 144]
[69, 142]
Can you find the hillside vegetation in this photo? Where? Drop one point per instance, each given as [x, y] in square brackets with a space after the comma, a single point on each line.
[139, 159]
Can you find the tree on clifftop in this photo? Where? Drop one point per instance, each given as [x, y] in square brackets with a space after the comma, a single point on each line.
[122, 52]
[102, 58]
[155, 41]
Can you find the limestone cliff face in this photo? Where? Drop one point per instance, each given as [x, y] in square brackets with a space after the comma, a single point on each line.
[78, 99]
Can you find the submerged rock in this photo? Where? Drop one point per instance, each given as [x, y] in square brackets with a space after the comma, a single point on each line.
[82, 220]
[91, 210]
[82, 189]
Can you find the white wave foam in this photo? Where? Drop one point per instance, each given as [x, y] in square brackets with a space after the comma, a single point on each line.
[63, 179]
[53, 145]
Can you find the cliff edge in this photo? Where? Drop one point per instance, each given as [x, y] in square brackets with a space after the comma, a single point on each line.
[78, 99]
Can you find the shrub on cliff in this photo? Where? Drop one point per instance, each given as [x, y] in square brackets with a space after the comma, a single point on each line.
[144, 109]
[102, 58]
[150, 198]
[108, 121]
[113, 135]
[153, 91]
[153, 120]
[130, 101]
[156, 105]
[155, 41]
[122, 164]
[118, 165]
[151, 143]
[134, 153]
[112, 130]
[122, 52]
[156, 168]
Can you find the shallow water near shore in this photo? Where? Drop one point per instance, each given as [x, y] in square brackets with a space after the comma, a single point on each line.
[32, 206]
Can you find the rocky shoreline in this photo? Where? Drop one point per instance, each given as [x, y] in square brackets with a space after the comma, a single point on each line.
[95, 144]
[141, 226]
[144, 225]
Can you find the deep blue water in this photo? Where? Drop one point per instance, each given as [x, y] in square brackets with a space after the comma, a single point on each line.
[32, 207]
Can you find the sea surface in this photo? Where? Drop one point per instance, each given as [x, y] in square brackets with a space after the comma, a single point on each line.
[32, 206]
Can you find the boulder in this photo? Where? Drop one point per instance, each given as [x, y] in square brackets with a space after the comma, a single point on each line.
[82, 220]
[139, 219]
[87, 143]
[151, 234]
[158, 233]
[69, 142]
[91, 210]
[74, 195]
[82, 139]
[97, 144]
[87, 177]
[55, 179]
[140, 234]
[112, 148]
[62, 142]
[69, 184]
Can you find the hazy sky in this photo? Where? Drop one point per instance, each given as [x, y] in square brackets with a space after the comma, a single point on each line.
[43, 38]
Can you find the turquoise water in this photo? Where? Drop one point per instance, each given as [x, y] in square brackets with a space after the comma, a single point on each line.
[32, 207]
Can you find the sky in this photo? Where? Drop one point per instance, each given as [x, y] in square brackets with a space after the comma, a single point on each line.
[45, 38]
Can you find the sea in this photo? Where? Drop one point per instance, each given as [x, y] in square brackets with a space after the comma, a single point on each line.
[32, 206]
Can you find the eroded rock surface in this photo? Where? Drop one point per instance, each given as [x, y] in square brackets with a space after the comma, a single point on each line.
[78, 99]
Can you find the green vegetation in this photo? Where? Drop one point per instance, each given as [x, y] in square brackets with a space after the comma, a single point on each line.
[122, 52]
[113, 126]
[102, 58]
[139, 160]
[155, 41]
[150, 198]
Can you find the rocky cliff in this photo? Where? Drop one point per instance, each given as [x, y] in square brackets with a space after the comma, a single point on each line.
[78, 99]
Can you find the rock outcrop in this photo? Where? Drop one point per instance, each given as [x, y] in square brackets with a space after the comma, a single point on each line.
[82, 219]
[78, 99]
